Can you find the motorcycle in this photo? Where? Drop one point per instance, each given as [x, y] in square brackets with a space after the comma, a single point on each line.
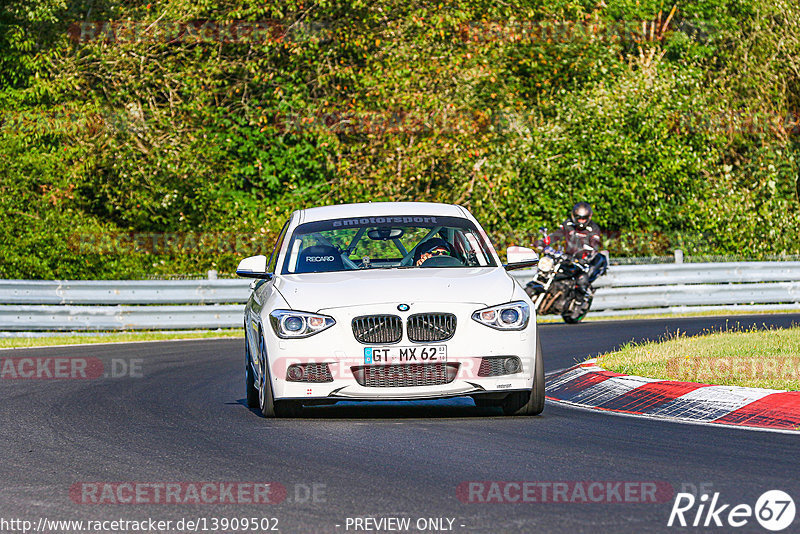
[554, 288]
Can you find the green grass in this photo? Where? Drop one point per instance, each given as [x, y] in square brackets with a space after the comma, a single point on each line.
[762, 359]
[122, 337]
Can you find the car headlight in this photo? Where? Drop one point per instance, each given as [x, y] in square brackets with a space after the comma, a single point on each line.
[545, 264]
[511, 316]
[294, 324]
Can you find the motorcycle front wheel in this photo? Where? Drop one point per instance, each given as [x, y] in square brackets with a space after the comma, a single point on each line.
[571, 318]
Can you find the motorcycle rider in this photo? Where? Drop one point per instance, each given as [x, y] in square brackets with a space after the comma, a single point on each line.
[582, 240]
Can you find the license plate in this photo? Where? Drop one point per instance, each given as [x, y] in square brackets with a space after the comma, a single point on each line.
[418, 354]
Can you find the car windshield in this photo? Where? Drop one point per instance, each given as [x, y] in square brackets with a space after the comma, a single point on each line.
[386, 243]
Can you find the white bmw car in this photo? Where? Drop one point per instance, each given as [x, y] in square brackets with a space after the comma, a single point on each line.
[389, 301]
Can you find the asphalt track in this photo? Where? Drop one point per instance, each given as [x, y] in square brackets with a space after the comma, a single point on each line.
[184, 419]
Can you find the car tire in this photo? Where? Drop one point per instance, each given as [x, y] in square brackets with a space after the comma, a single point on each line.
[250, 377]
[528, 402]
[269, 406]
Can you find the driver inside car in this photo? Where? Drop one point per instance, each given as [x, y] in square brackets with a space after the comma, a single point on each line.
[431, 248]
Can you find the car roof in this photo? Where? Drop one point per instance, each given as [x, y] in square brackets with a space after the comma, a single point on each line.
[380, 209]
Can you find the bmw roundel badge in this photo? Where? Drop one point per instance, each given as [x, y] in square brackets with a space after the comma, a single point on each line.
[403, 307]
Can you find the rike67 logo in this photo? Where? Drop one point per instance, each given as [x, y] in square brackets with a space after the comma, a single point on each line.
[774, 510]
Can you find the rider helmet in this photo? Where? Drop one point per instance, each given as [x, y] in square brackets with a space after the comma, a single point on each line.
[581, 214]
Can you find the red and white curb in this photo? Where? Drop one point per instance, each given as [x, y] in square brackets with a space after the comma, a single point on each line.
[590, 386]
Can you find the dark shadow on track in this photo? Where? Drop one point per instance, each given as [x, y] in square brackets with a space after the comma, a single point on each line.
[455, 408]
[243, 402]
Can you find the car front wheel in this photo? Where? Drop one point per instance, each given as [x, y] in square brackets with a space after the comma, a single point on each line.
[250, 378]
[268, 405]
[528, 402]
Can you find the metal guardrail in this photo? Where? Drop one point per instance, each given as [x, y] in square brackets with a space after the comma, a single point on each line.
[700, 273]
[124, 291]
[692, 287]
[34, 305]
[122, 304]
[20, 318]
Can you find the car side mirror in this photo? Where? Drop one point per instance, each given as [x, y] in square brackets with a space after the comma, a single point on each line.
[254, 267]
[520, 258]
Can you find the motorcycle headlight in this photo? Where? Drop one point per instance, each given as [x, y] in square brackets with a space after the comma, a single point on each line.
[545, 263]
[511, 316]
[296, 324]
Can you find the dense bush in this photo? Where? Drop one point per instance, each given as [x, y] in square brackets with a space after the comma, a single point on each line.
[674, 123]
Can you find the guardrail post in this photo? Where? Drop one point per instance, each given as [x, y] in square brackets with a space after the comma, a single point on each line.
[212, 275]
[678, 256]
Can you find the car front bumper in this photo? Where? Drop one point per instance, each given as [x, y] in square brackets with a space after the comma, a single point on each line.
[338, 349]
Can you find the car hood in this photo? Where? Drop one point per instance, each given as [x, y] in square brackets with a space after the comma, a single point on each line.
[317, 291]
